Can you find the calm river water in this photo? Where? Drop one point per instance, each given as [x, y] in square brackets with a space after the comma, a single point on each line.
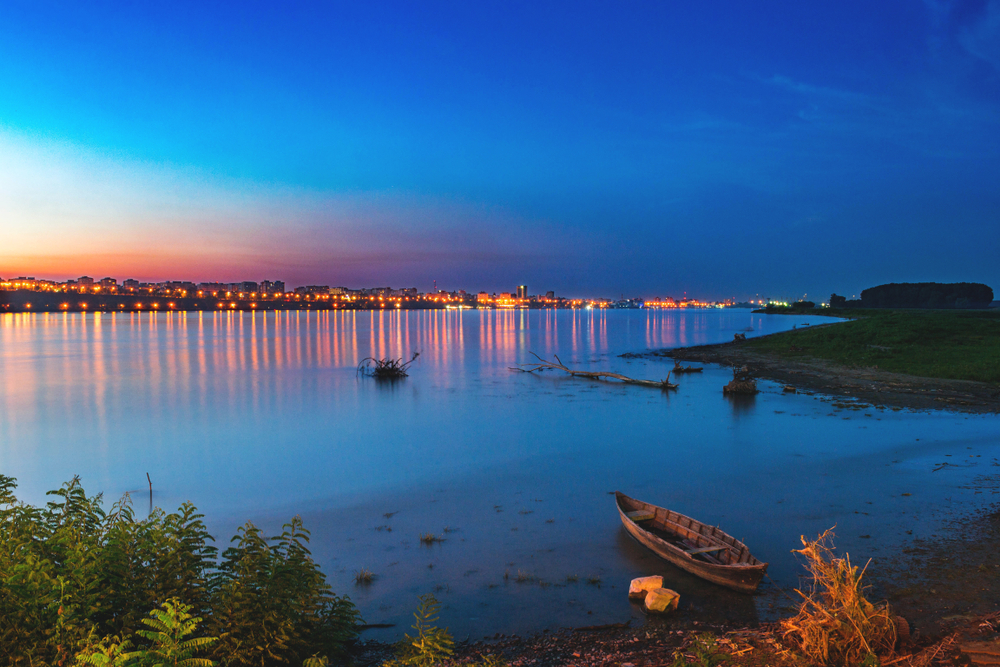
[262, 416]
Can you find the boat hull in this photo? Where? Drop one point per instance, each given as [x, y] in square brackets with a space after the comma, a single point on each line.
[744, 573]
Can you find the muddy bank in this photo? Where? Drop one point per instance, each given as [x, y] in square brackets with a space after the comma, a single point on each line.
[865, 384]
[947, 580]
[636, 645]
[974, 641]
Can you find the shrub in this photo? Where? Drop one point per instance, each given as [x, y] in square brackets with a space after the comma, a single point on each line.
[74, 578]
[431, 645]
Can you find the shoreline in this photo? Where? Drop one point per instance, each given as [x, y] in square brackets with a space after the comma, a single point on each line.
[951, 614]
[892, 390]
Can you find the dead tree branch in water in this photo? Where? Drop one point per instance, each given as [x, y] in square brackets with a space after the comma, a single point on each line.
[385, 369]
[593, 375]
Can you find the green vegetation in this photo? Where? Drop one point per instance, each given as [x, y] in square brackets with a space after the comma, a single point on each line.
[704, 652]
[431, 646]
[950, 344]
[81, 585]
[927, 295]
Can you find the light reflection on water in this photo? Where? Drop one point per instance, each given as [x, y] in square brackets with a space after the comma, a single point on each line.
[261, 416]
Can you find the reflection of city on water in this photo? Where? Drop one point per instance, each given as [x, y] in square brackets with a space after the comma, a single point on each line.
[177, 361]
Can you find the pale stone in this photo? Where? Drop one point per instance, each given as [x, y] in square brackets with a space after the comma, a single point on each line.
[661, 601]
[639, 587]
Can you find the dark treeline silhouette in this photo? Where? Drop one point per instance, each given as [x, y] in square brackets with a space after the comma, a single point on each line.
[925, 295]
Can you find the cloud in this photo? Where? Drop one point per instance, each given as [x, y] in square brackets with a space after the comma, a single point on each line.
[810, 90]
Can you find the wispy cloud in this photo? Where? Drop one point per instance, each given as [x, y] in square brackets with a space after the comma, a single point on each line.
[810, 90]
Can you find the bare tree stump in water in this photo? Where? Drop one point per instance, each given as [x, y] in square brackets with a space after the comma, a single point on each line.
[593, 375]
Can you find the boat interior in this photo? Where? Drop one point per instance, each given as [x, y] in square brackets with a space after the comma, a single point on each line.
[700, 541]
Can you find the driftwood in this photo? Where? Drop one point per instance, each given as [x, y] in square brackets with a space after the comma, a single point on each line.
[678, 369]
[739, 337]
[593, 375]
[385, 369]
[742, 383]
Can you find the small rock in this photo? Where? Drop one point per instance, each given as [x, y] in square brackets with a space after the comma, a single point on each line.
[639, 587]
[661, 601]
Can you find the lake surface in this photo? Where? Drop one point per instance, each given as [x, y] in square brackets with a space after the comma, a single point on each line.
[261, 416]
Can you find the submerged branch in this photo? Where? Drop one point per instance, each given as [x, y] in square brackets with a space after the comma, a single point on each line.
[385, 369]
[593, 375]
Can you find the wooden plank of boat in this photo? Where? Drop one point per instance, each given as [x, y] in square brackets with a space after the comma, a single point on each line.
[703, 550]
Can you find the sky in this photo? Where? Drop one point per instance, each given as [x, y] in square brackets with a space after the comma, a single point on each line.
[724, 149]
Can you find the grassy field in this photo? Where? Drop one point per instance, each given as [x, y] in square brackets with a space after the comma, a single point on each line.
[952, 344]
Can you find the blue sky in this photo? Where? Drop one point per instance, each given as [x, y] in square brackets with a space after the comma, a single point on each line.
[723, 149]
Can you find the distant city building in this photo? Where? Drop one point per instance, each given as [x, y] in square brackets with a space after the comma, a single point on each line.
[522, 291]
[22, 282]
[85, 281]
[248, 286]
[272, 286]
[130, 283]
[630, 303]
[483, 297]
[550, 295]
[177, 286]
[313, 289]
[109, 282]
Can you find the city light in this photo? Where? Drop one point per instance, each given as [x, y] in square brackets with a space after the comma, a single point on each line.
[247, 294]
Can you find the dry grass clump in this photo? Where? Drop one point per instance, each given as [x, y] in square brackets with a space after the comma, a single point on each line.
[836, 625]
[364, 576]
[385, 369]
[430, 538]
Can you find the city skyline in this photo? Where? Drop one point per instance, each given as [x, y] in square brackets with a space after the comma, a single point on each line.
[649, 149]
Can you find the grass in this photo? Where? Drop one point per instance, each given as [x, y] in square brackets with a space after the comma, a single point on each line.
[947, 344]
[363, 577]
[430, 538]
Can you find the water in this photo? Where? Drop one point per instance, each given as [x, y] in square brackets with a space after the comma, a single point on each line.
[261, 416]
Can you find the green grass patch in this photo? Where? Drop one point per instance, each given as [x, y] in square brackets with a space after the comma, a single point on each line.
[949, 344]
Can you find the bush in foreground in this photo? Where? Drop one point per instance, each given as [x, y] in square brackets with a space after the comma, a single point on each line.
[74, 579]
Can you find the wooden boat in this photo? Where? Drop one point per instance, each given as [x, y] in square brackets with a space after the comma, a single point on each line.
[678, 369]
[691, 545]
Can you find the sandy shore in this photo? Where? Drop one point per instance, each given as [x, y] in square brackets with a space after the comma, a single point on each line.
[865, 384]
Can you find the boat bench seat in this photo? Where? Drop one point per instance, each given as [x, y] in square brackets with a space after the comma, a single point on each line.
[641, 515]
[705, 550]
